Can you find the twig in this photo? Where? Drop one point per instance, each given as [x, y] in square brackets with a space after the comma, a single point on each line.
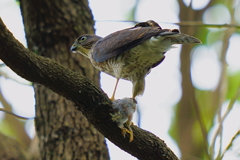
[184, 23]
[230, 143]
[230, 106]
[21, 117]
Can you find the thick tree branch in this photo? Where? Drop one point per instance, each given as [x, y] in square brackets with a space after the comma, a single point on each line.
[89, 99]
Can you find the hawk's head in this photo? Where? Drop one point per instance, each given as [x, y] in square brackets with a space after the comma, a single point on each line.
[84, 43]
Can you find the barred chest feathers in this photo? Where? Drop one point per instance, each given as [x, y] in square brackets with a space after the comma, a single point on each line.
[146, 56]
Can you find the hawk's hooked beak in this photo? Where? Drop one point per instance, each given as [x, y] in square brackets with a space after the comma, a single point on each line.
[73, 48]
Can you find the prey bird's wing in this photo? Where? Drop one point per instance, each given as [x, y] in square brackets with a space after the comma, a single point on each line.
[122, 41]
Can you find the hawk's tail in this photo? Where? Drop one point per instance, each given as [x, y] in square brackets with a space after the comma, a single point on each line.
[179, 38]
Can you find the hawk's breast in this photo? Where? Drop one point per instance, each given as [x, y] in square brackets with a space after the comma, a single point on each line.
[138, 61]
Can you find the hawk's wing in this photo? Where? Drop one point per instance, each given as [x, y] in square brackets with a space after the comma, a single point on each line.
[124, 40]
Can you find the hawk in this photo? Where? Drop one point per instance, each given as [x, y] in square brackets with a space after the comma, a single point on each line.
[131, 53]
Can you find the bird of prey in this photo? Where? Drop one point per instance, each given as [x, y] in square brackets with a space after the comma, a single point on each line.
[131, 53]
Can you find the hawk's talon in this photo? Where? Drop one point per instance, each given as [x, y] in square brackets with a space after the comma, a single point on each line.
[122, 113]
[124, 130]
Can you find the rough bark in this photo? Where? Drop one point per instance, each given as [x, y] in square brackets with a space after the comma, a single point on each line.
[88, 98]
[51, 27]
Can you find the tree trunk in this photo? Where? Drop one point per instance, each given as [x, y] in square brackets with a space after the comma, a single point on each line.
[185, 111]
[51, 27]
[188, 111]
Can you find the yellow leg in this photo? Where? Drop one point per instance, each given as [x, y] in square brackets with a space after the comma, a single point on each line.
[129, 130]
[114, 91]
[134, 95]
[134, 100]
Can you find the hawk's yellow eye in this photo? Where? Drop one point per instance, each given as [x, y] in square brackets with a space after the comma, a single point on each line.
[82, 39]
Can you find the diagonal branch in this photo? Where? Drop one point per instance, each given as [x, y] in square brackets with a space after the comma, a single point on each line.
[89, 99]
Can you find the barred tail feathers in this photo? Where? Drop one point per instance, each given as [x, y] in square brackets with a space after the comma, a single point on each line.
[180, 38]
[165, 41]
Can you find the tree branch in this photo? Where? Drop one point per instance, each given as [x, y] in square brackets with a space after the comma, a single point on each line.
[89, 99]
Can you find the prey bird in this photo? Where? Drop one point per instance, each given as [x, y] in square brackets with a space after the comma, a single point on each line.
[130, 53]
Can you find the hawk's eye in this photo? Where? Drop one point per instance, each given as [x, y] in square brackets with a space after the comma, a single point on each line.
[82, 39]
